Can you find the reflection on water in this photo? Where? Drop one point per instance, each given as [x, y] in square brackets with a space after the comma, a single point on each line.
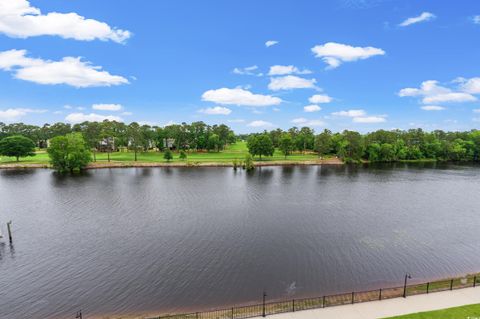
[178, 239]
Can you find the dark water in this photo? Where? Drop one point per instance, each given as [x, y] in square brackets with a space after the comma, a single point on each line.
[159, 239]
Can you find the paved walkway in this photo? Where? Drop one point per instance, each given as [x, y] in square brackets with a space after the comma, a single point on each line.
[391, 307]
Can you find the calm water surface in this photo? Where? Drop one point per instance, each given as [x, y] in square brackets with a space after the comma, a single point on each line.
[157, 239]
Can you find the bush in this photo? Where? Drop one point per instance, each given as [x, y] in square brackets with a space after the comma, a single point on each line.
[168, 155]
[183, 155]
[69, 153]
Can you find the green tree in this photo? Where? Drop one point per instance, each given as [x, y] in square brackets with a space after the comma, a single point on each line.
[135, 138]
[17, 146]
[323, 143]
[260, 145]
[168, 155]
[285, 144]
[69, 152]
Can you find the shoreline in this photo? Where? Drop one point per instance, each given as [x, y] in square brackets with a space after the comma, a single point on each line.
[100, 165]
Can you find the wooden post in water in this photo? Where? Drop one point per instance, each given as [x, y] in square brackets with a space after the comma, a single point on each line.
[474, 281]
[79, 315]
[353, 297]
[428, 287]
[451, 284]
[9, 228]
[380, 294]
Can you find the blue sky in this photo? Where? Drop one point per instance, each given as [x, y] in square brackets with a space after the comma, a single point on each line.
[340, 64]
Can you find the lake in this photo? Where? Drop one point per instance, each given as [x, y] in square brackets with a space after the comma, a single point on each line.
[136, 240]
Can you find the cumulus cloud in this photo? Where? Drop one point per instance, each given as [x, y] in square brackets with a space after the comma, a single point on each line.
[270, 43]
[217, 110]
[92, 117]
[249, 70]
[471, 86]
[476, 19]
[476, 111]
[286, 69]
[350, 113]
[320, 98]
[126, 113]
[369, 119]
[305, 122]
[260, 123]
[312, 108]
[107, 107]
[433, 93]
[335, 54]
[70, 70]
[236, 121]
[19, 19]
[425, 16]
[14, 114]
[290, 82]
[239, 97]
[432, 108]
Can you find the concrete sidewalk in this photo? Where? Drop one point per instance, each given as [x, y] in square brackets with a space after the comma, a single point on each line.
[390, 307]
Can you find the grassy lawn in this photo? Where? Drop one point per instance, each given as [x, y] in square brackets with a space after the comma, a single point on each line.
[464, 312]
[235, 151]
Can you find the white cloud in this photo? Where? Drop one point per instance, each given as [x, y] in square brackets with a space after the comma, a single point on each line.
[476, 111]
[432, 108]
[350, 113]
[312, 108]
[286, 69]
[305, 122]
[433, 93]
[58, 112]
[14, 114]
[236, 121]
[270, 43]
[92, 117]
[19, 19]
[107, 107]
[476, 19]
[217, 110]
[471, 86]
[425, 16]
[126, 113]
[240, 97]
[260, 123]
[290, 82]
[68, 107]
[335, 54]
[70, 70]
[276, 109]
[249, 70]
[320, 98]
[80, 108]
[369, 119]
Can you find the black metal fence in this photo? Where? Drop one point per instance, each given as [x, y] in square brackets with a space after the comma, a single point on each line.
[270, 308]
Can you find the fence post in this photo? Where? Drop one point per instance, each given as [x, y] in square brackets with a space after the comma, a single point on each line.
[380, 294]
[323, 302]
[451, 284]
[474, 281]
[232, 312]
[353, 297]
[196, 315]
[428, 287]
[293, 305]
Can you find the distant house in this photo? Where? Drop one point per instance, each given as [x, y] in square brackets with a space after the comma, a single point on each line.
[107, 145]
[169, 143]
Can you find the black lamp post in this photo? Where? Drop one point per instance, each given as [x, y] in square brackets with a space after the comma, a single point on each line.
[263, 312]
[407, 276]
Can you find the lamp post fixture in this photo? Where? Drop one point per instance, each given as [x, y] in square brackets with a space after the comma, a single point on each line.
[407, 276]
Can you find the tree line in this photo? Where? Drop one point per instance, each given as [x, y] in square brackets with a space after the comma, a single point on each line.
[350, 146]
[112, 135]
[377, 146]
